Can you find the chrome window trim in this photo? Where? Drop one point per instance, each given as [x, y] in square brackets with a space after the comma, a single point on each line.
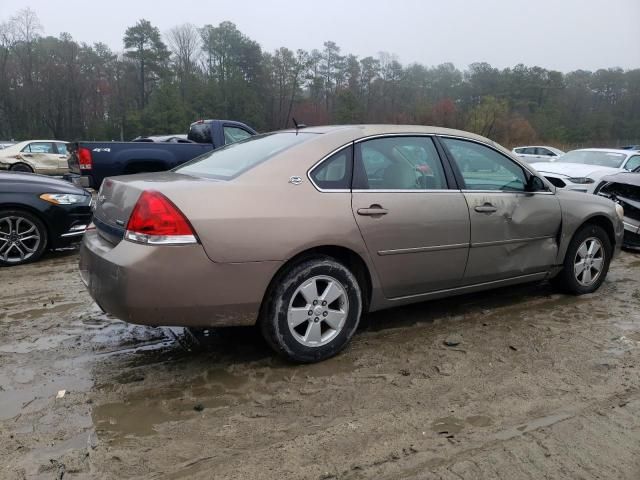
[518, 192]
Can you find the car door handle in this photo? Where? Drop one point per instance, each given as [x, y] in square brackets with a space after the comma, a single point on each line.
[373, 210]
[486, 208]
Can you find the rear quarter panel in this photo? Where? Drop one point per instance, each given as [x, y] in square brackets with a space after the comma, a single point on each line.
[261, 216]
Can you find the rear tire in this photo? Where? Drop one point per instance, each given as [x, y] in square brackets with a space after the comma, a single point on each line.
[23, 237]
[312, 311]
[21, 167]
[586, 262]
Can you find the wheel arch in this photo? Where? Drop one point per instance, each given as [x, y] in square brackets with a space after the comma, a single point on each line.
[605, 223]
[346, 256]
[22, 162]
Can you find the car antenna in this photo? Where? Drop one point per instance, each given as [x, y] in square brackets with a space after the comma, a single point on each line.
[298, 125]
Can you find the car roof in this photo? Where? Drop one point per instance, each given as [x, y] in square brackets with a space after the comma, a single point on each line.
[367, 130]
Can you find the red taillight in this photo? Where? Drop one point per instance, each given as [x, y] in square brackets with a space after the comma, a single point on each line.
[156, 220]
[84, 158]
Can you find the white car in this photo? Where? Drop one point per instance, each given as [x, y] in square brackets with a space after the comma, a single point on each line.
[47, 157]
[538, 153]
[582, 170]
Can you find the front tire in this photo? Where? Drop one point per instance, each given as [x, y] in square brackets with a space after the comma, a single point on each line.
[312, 311]
[586, 262]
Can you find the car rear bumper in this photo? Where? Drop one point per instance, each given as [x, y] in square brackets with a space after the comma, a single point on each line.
[172, 285]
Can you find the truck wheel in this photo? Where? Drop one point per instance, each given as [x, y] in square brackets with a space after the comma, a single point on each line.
[313, 310]
[23, 237]
[586, 262]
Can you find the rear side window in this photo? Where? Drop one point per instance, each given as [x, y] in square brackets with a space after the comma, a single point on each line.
[335, 172]
[62, 148]
[234, 134]
[398, 163]
[232, 160]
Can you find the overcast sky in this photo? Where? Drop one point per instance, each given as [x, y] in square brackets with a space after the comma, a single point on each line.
[558, 34]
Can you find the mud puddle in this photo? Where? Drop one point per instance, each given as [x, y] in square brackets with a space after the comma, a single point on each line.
[456, 385]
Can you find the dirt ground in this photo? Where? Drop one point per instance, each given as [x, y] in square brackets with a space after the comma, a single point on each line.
[541, 385]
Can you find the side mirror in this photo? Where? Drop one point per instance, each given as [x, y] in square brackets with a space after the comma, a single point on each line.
[535, 184]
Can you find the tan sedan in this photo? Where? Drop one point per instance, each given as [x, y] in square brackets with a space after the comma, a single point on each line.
[46, 157]
[302, 232]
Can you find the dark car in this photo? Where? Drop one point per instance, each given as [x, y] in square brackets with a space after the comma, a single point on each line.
[631, 147]
[39, 213]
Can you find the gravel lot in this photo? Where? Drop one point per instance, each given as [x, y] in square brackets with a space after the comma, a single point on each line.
[534, 385]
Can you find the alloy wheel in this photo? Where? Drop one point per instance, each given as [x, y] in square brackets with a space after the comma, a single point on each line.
[589, 261]
[19, 239]
[318, 311]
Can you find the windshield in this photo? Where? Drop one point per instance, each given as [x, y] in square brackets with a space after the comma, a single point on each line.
[232, 160]
[589, 157]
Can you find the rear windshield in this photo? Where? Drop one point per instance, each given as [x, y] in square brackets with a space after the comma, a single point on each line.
[232, 160]
[602, 159]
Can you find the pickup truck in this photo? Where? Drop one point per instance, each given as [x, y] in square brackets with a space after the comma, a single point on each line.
[91, 162]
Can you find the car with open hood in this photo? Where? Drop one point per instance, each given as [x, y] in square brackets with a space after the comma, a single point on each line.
[624, 188]
[303, 231]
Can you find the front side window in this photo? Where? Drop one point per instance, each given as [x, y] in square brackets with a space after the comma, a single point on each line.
[335, 172]
[232, 160]
[234, 134]
[62, 148]
[482, 168]
[398, 163]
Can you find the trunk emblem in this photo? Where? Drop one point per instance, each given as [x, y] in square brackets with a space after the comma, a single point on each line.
[295, 180]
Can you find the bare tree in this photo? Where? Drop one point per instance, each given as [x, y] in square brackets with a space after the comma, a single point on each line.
[184, 42]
